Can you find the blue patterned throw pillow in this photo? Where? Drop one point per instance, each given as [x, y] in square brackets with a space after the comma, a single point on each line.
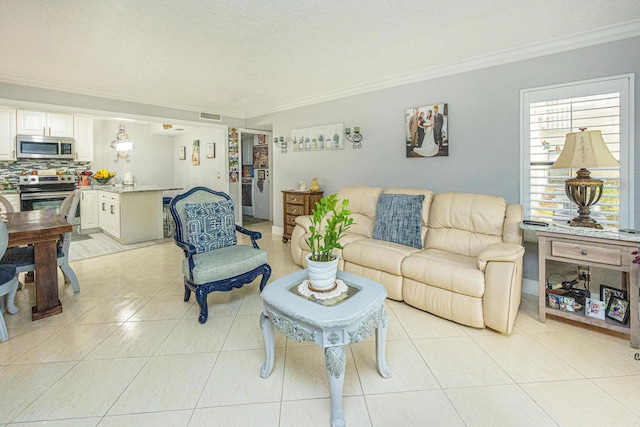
[399, 219]
[210, 225]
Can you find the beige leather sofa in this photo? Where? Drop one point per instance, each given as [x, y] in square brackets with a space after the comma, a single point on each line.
[469, 269]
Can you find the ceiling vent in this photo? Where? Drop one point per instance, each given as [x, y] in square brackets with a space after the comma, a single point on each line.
[209, 116]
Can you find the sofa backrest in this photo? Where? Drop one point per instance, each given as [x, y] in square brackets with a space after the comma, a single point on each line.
[426, 205]
[465, 223]
[362, 204]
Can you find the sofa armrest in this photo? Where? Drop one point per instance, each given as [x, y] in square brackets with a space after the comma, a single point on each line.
[500, 252]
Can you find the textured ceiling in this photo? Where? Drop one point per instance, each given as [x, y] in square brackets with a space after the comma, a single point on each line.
[244, 57]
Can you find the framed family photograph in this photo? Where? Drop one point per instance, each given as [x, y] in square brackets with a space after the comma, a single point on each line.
[618, 309]
[427, 130]
[606, 292]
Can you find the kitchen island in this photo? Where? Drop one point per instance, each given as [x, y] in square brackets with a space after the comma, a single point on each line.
[126, 214]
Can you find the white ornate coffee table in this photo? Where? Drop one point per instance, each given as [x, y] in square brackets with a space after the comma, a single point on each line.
[331, 324]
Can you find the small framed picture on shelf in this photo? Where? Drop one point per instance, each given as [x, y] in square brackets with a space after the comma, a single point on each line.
[595, 308]
[618, 310]
[607, 292]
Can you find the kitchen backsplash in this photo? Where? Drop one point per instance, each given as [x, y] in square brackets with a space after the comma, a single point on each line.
[10, 171]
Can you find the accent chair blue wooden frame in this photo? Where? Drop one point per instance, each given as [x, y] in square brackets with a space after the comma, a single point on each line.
[217, 270]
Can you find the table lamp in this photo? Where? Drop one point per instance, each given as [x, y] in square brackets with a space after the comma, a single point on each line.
[582, 150]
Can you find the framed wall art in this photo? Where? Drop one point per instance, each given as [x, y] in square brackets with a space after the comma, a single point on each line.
[261, 174]
[318, 138]
[233, 155]
[260, 156]
[182, 153]
[211, 150]
[427, 130]
[195, 153]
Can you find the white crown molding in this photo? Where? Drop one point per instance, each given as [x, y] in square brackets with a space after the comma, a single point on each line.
[579, 40]
[81, 90]
[576, 41]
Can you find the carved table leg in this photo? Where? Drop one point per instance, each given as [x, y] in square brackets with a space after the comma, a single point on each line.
[381, 344]
[267, 332]
[336, 361]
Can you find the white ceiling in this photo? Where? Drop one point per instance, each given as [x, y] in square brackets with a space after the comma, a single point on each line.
[248, 57]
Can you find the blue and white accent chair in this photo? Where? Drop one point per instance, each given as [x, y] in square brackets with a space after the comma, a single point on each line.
[214, 262]
[8, 284]
[24, 258]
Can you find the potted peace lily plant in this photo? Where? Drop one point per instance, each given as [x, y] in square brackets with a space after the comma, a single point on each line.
[329, 221]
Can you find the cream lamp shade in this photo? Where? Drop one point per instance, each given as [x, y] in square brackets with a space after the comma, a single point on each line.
[582, 150]
[585, 149]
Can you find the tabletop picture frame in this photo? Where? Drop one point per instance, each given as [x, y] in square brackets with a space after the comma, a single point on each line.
[595, 308]
[618, 310]
[607, 291]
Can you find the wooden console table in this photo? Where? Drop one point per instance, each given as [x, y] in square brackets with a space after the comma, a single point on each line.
[593, 248]
[296, 203]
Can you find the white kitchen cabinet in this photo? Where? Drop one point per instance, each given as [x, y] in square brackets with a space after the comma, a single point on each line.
[47, 124]
[7, 133]
[83, 134]
[89, 210]
[109, 213]
[131, 216]
[14, 200]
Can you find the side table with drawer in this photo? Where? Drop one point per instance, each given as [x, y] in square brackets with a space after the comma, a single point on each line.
[595, 248]
[296, 203]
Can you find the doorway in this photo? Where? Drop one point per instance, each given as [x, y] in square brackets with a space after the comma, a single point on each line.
[253, 194]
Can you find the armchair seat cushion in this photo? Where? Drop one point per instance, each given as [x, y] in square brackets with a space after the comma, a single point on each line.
[224, 263]
[445, 270]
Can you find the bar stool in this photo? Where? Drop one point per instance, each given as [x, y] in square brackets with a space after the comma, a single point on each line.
[168, 223]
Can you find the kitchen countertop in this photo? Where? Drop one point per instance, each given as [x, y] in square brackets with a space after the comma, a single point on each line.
[119, 189]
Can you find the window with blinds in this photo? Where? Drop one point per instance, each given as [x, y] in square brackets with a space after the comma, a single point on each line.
[548, 115]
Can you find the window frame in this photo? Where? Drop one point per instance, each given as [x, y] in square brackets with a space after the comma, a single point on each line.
[624, 84]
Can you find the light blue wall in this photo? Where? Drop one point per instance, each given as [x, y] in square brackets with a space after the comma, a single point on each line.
[484, 127]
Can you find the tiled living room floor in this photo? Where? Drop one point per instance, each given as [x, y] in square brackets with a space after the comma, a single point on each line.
[127, 351]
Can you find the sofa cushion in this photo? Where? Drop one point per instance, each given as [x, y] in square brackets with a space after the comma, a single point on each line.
[362, 204]
[210, 225]
[377, 254]
[465, 223]
[399, 219]
[452, 272]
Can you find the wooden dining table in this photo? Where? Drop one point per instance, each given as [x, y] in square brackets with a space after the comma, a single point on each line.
[42, 228]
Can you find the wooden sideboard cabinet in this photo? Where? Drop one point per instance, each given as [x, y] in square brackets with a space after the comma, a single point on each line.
[608, 250]
[296, 203]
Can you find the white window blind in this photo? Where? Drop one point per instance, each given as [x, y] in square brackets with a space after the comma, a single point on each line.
[548, 115]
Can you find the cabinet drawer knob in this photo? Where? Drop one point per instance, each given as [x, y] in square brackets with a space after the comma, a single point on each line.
[584, 252]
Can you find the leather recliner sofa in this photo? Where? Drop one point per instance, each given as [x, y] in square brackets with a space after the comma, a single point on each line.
[468, 267]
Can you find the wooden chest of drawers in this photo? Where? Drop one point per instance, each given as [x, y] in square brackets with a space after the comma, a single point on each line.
[295, 203]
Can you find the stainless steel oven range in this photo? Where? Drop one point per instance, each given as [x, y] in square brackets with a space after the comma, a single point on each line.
[46, 190]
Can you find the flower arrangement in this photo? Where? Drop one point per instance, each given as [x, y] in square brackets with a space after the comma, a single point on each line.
[103, 176]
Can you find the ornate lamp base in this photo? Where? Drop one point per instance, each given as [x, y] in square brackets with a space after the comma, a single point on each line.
[584, 192]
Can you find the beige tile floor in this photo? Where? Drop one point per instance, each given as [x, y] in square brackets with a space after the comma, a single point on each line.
[127, 351]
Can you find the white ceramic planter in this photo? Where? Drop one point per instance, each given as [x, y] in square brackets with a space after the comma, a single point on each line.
[322, 275]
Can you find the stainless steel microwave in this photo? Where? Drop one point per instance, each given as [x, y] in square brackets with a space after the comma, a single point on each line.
[44, 147]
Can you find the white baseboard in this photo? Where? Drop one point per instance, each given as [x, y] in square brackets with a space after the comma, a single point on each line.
[278, 231]
[530, 286]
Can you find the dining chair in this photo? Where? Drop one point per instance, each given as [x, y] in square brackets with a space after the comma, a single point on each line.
[214, 262]
[24, 259]
[5, 206]
[8, 284]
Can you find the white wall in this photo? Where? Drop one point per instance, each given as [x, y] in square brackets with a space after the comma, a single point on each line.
[206, 174]
[151, 159]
